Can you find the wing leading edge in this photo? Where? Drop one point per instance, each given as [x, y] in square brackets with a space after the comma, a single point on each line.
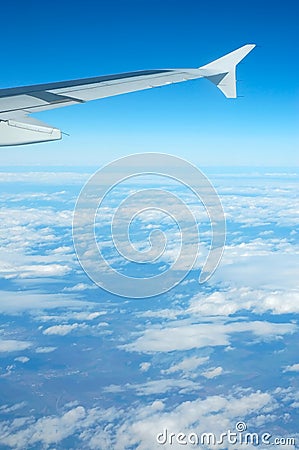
[16, 104]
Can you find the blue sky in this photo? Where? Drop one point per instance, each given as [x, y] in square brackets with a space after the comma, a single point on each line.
[57, 41]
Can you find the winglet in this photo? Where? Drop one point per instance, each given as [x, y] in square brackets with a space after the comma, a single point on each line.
[222, 71]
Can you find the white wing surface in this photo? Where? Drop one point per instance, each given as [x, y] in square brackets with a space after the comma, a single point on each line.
[18, 103]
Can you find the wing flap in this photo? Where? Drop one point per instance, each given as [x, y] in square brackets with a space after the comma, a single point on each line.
[27, 131]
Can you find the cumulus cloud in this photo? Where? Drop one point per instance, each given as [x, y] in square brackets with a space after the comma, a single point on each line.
[71, 315]
[22, 359]
[212, 373]
[12, 345]
[293, 368]
[160, 386]
[144, 367]
[271, 271]
[62, 330]
[36, 271]
[165, 385]
[230, 300]
[14, 302]
[32, 228]
[5, 409]
[257, 275]
[185, 337]
[138, 426]
[262, 205]
[48, 430]
[80, 287]
[214, 414]
[88, 315]
[162, 313]
[187, 364]
[51, 430]
[45, 349]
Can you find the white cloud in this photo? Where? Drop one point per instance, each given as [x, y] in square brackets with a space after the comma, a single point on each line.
[48, 430]
[5, 409]
[162, 313]
[144, 367]
[138, 425]
[45, 349]
[80, 287]
[214, 414]
[22, 359]
[270, 271]
[187, 365]
[256, 276]
[14, 302]
[185, 282]
[17, 262]
[165, 385]
[229, 300]
[213, 304]
[55, 178]
[212, 373]
[71, 315]
[88, 315]
[12, 345]
[180, 336]
[160, 386]
[31, 228]
[62, 330]
[293, 368]
[270, 204]
[35, 271]
[51, 430]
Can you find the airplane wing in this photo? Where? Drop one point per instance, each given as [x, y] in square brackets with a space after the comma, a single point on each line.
[18, 103]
